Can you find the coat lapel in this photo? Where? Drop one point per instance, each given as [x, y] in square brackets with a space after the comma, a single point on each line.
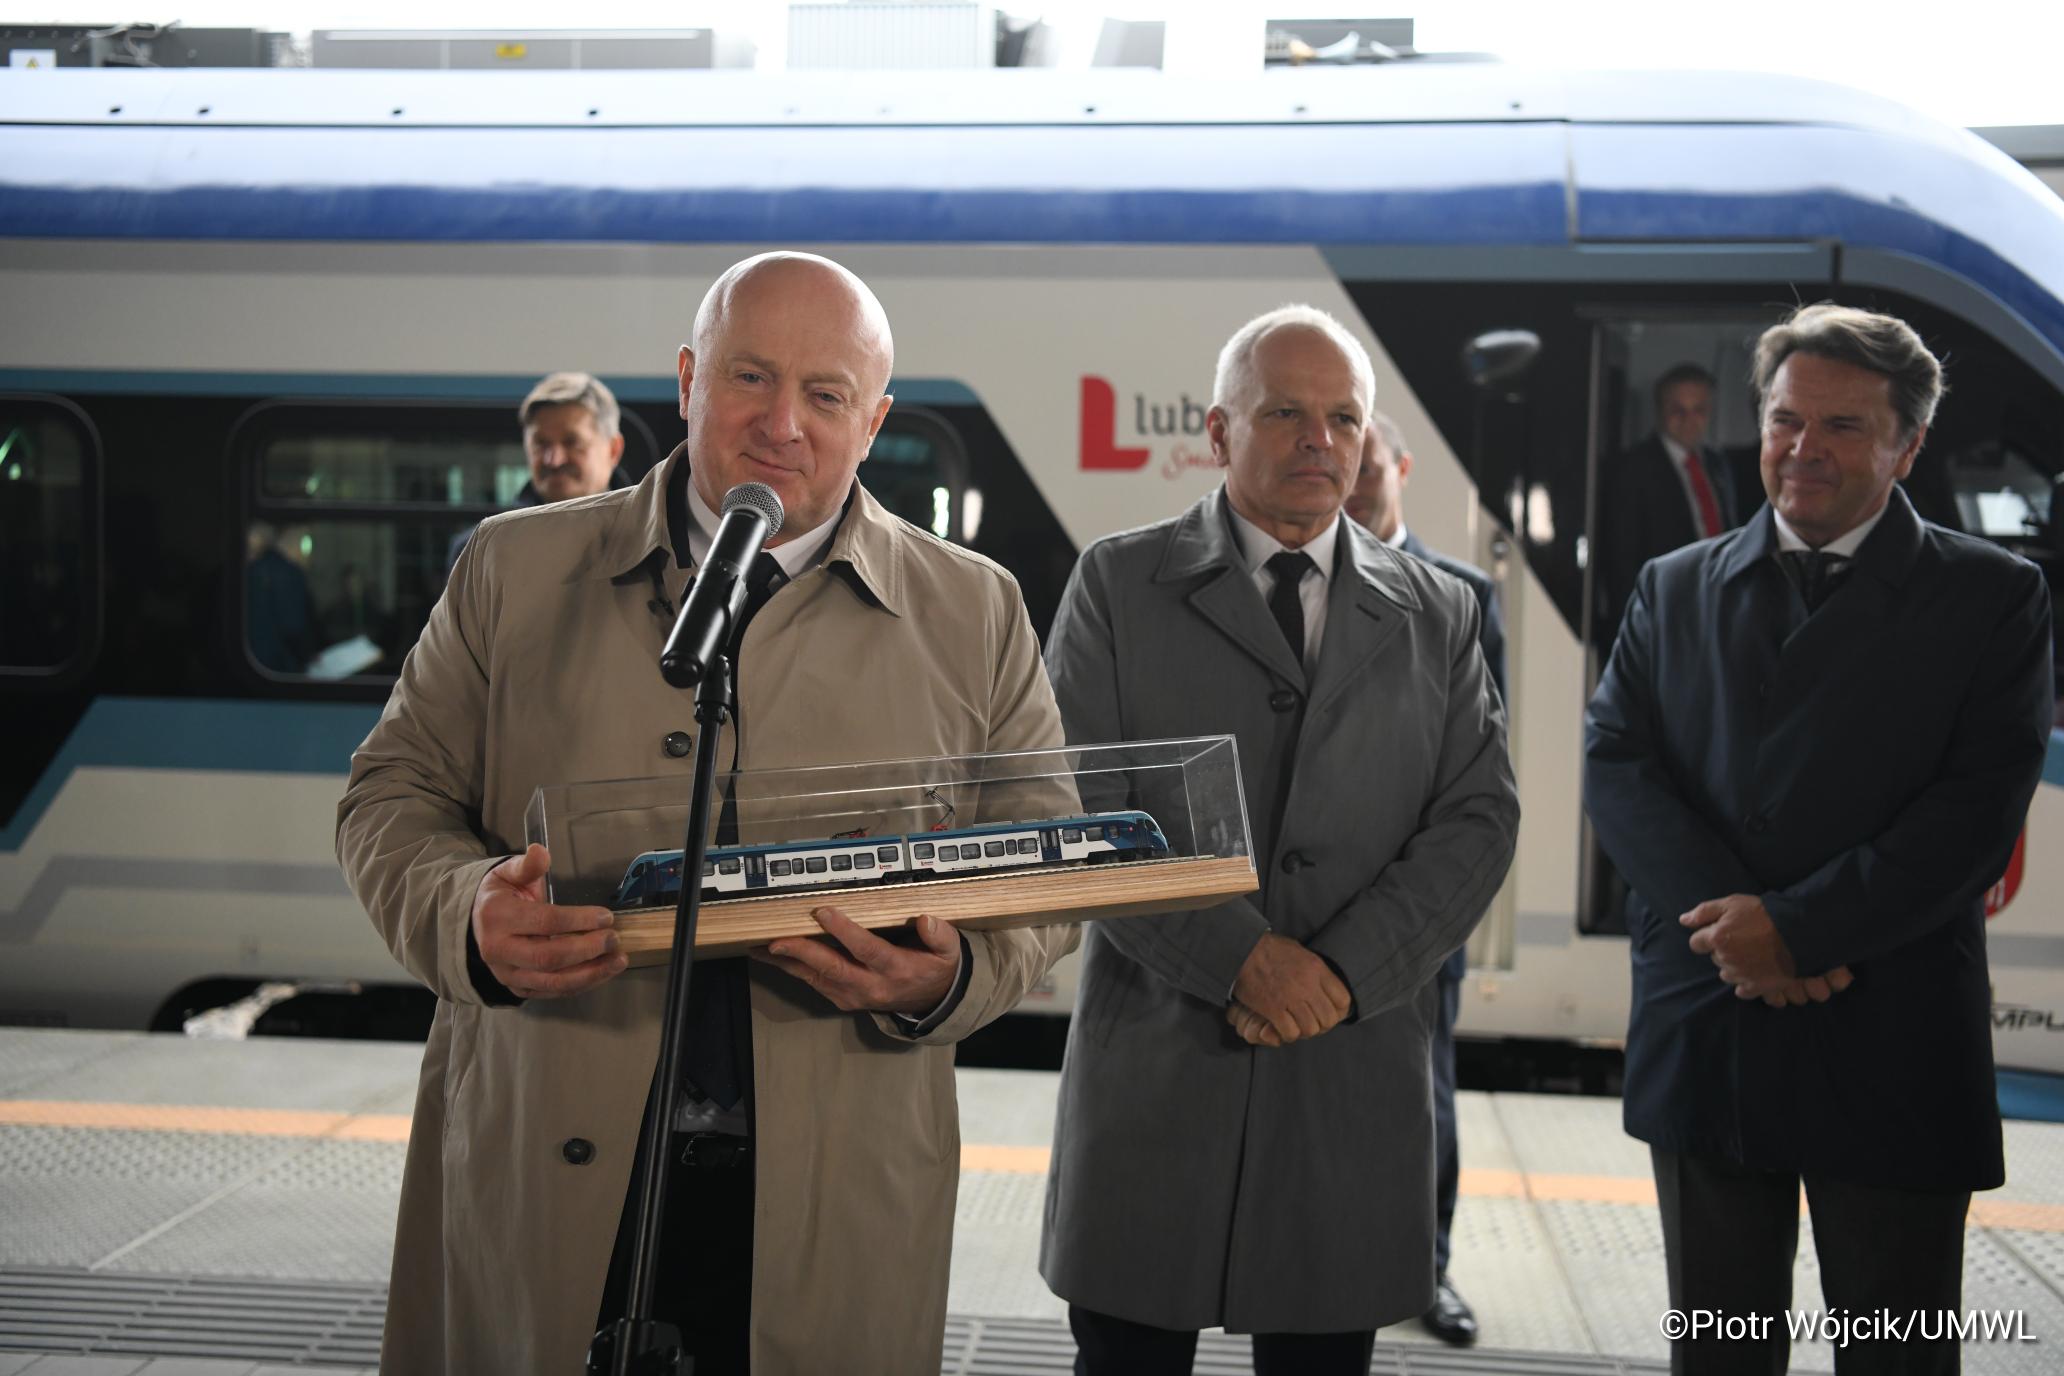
[1203, 548]
[1854, 620]
[1370, 600]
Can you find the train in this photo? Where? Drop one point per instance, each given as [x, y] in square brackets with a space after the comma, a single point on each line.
[654, 878]
[292, 311]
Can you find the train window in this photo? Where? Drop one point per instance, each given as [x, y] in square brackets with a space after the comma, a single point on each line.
[778, 867]
[863, 862]
[992, 848]
[815, 864]
[728, 866]
[947, 852]
[922, 850]
[2000, 494]
[390, 464]
[918, 470]
[354, 512]
[49, 464]
[842, 862]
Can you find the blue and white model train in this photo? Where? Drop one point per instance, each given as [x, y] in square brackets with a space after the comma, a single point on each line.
[654, 878]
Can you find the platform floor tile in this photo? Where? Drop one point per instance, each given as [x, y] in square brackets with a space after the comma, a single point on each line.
[261, 1072]
[1007, 1108]
[32, 1061]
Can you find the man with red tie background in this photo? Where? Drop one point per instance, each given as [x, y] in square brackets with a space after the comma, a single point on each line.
[1662, 494]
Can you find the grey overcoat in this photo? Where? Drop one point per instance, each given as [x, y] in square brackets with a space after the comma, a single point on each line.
[1198, 1181]
[540, 666]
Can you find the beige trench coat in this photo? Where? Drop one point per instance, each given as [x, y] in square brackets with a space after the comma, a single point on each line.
[539, 666]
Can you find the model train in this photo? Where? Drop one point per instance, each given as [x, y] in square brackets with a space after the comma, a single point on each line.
[654, 878]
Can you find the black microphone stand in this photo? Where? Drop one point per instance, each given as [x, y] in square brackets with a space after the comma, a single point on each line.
[636, 1345]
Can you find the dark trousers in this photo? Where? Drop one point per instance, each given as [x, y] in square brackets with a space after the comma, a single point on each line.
[703, 1276]
[1447, 1153]
[1110, 1346]
[1731, 1234]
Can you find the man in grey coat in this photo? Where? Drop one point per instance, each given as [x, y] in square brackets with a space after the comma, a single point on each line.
[1245, 1136]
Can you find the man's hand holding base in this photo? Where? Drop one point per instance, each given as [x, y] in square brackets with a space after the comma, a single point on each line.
[860, 972]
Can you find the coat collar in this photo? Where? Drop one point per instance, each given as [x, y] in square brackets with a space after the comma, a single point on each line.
[1369, 588]
[868, 546]
[1888, 553]
[1203, 543]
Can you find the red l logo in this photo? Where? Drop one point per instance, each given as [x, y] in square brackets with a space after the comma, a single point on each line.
[1100, 429]
[2002, 893]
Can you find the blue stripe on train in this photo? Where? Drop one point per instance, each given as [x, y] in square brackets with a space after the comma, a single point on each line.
[198, 733]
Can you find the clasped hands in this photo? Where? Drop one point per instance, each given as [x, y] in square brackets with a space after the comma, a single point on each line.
[544, 950]
[1743, 942]
[1286, 993]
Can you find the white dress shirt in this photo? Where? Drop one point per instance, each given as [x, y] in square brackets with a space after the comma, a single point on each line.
[798, 554]
[1843, 546]
[1257, 547]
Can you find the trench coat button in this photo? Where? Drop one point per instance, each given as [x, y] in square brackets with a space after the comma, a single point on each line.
[1757, 824]
[1282, 699]
[677, 743]
[1293, 862]
[578, 1151]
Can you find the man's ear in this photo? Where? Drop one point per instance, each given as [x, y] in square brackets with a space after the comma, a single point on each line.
[1216, 422]
[1913, 451]
[685, 366]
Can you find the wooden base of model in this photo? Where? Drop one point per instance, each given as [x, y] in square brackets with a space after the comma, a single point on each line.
[1035, 898]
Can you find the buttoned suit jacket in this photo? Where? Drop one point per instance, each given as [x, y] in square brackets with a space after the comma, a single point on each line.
[1864, 770]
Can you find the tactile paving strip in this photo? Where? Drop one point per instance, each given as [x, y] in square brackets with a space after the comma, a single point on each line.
[258, 1320]
[66, 1311]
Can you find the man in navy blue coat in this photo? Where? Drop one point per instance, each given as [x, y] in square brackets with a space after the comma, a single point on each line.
[1810, 755]
[1377, 502]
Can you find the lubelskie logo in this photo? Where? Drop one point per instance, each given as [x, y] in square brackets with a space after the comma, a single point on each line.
[1180, 420]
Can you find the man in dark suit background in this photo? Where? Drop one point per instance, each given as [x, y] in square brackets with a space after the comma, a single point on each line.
[1810, 754]
[1660, 495]
[1377, 503]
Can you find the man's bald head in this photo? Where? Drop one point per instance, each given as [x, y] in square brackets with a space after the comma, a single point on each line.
[785, 384]
[828, 290]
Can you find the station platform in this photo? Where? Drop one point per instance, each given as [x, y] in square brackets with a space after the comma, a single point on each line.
[172, 1207]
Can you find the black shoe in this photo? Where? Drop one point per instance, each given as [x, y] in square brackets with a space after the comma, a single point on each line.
[1450, 1319]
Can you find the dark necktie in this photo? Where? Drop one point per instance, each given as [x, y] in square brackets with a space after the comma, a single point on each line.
[719, 998]
[1290, 566]
[1815, 573]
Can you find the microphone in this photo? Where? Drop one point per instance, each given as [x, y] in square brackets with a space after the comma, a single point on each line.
[752, 513]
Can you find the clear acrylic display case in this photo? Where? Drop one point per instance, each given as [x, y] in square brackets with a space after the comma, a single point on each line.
[984, 841]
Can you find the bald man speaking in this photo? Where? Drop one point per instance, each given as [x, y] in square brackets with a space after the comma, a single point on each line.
[813, 1167]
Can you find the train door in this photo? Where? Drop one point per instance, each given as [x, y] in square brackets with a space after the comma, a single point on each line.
[1671, 458]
